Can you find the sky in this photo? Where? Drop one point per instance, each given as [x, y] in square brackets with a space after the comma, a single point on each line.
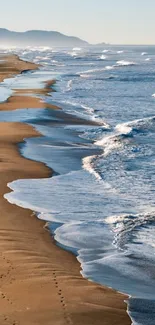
[111, 21]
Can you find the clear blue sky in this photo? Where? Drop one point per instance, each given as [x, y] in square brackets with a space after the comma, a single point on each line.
[113, 21]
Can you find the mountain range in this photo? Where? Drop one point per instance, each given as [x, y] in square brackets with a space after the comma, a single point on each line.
[38, 38]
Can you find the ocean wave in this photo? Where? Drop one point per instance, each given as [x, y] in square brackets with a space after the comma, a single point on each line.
[141, 124]
[45, 58]
[91, 71]
[69, 85]
[103, 57]
[45, 48]
[88, 73]
[122, 63]
[122, 132]
[144, 53]
[73, 54]
[39, 57]
[78, 105]
[85, 75]
[78, 108]
[40, 49]
[109, 67]
[125, 63]
[106, 51]
[25, 52]
[88, 108]
[124, 225]
[123, 128]
[114, 141]
[77, 49]
[56, 63]
[110, 143]
[88, 164]
[82, 110]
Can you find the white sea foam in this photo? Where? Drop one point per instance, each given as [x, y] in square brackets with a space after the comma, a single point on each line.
[57, 63]
[153, 95]
[45, 48]
[95, 118]
[139, 123]
[125, 224]
[123, 128]
[147, 59]
[45, 58]
[85, 112]
[25, 52]
[115, 218]
[91, 71]
[5, 93]
[103, 57]
[88, 108]
[109, 67]
[72, 53]
[120, 52]
[85, 75]
[113, 141]
[125, 63]
[76, 104]
[40, 49]
[38, 57]
[144, 53]
[88, 164]
[69, 85]
[109, 144]
[82, 110]
[77, 49]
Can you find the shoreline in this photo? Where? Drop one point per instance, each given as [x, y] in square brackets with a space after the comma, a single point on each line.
[44, 284]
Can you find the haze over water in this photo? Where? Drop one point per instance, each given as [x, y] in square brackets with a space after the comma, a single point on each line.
[100, 200]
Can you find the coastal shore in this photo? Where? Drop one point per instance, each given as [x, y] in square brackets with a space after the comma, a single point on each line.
[39, 282]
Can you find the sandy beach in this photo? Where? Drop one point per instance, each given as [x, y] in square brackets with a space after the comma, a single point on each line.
[39, 282]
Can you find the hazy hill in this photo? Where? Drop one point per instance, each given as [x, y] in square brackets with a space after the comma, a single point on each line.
[38, 38]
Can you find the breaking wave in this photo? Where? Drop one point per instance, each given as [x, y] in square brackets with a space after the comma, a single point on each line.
[125, 63]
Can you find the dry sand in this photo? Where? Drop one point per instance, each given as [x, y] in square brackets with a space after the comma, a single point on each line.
[40, 284]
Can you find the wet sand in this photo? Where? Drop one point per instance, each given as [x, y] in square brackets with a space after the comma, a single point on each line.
[39, 282]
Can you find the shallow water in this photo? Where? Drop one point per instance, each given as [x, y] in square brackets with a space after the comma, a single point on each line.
[101, 198]
[4, 93]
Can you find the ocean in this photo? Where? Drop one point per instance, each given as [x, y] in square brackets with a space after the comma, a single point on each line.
[100, 202]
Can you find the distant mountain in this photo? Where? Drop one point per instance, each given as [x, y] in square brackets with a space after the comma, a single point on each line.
[38, 38]
[100, 44]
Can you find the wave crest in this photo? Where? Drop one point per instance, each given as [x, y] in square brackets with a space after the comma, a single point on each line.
[125, 63]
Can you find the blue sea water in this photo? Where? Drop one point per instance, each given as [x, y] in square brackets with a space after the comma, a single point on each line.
[100, 203]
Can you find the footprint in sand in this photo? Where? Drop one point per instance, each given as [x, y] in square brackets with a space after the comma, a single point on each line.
[62, 300]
